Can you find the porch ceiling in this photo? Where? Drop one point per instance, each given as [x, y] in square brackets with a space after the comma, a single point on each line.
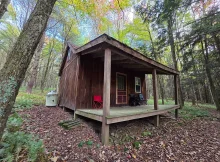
[131, 63]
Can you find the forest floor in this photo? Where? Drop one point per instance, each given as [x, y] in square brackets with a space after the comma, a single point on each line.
[195, 136]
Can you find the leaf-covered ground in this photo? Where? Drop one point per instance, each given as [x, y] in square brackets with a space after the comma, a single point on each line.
[195, 139]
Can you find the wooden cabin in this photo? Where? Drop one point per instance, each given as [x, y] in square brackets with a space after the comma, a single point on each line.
[108, 68]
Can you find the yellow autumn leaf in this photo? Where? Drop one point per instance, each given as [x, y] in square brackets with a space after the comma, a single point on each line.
[134, 156]
[54, 159]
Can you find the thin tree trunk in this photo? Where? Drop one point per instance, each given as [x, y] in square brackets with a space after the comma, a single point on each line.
[18, 60]
[35, 65]
[208, 72]
[200, 94]
[3, 7]
[172, 46]
[161, 84]
[194, 100]
[205, 92]
[43, 79]
[217, 43]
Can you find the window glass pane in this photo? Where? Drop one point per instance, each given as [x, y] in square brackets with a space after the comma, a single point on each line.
[138, 88]
[69, 54]
[137, 85]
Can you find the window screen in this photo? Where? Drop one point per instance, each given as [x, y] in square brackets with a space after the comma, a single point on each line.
[121, 82]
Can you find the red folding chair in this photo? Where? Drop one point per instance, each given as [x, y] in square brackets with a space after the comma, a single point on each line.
[97, 102]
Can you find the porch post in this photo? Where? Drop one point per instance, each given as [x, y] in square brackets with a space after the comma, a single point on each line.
[106, 96]
[155, 93]
[176, 94]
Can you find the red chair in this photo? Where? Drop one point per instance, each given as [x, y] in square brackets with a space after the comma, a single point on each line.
[97, 102]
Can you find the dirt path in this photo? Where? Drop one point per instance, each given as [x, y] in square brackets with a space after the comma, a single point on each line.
[182, 140]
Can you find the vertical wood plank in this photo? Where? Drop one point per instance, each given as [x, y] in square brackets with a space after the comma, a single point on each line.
[155, 91]
[106, 96]
[176, 94]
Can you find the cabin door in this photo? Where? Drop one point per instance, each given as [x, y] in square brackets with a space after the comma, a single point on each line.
[121, 88]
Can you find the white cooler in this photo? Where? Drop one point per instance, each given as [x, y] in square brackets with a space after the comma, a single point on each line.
[51, 98]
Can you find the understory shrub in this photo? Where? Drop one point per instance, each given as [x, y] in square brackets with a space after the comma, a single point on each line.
[14, 123]
[16, 145]
[24, 98]
[22, 103]
[190, 111]
[20, 146]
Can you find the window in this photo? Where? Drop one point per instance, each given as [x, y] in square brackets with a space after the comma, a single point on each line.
[68, 55]
[137, 85]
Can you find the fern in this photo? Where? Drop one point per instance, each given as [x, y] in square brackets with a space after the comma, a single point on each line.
[14, 143]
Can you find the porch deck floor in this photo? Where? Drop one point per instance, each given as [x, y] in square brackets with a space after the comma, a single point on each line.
[124, 113]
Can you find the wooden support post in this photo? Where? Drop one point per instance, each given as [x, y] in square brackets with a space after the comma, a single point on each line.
[155, 92]
[176, 94]
[106, 96]
[146, 87]
[75, 115]
[157, 120]
[176, 89]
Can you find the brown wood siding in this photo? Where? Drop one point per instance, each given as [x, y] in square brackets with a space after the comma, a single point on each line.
[91, 82]
[69, 82]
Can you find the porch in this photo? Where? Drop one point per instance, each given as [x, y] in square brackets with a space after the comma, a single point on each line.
[125, 113]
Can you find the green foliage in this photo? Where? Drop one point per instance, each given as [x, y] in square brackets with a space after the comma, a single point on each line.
[16, 143]
[26, 101]
[127, 138]
[89, 143]
[81, 144]
[23, 103]
[126, 149]
[166, 102]
[146, 133]
[137, 144]
[14, 123]
[190, 112]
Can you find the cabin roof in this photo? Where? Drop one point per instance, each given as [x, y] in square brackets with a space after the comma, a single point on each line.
[105, 41]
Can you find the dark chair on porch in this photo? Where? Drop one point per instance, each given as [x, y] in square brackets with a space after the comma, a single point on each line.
[142, 100]
[97, 102]
[134, 100]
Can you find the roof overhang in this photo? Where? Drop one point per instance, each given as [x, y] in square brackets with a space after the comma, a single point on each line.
[122, 55]
[104, 41]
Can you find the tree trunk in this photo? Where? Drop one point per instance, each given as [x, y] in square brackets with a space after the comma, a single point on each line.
[217, 43]
[161, 84]
[209, 75]
[44, 76]
[35, 65]
[194, 100]
[3, 7]
[200, 94]
[18, 60]
[172, 46]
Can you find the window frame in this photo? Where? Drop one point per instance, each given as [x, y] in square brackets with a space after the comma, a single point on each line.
[137, 84]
